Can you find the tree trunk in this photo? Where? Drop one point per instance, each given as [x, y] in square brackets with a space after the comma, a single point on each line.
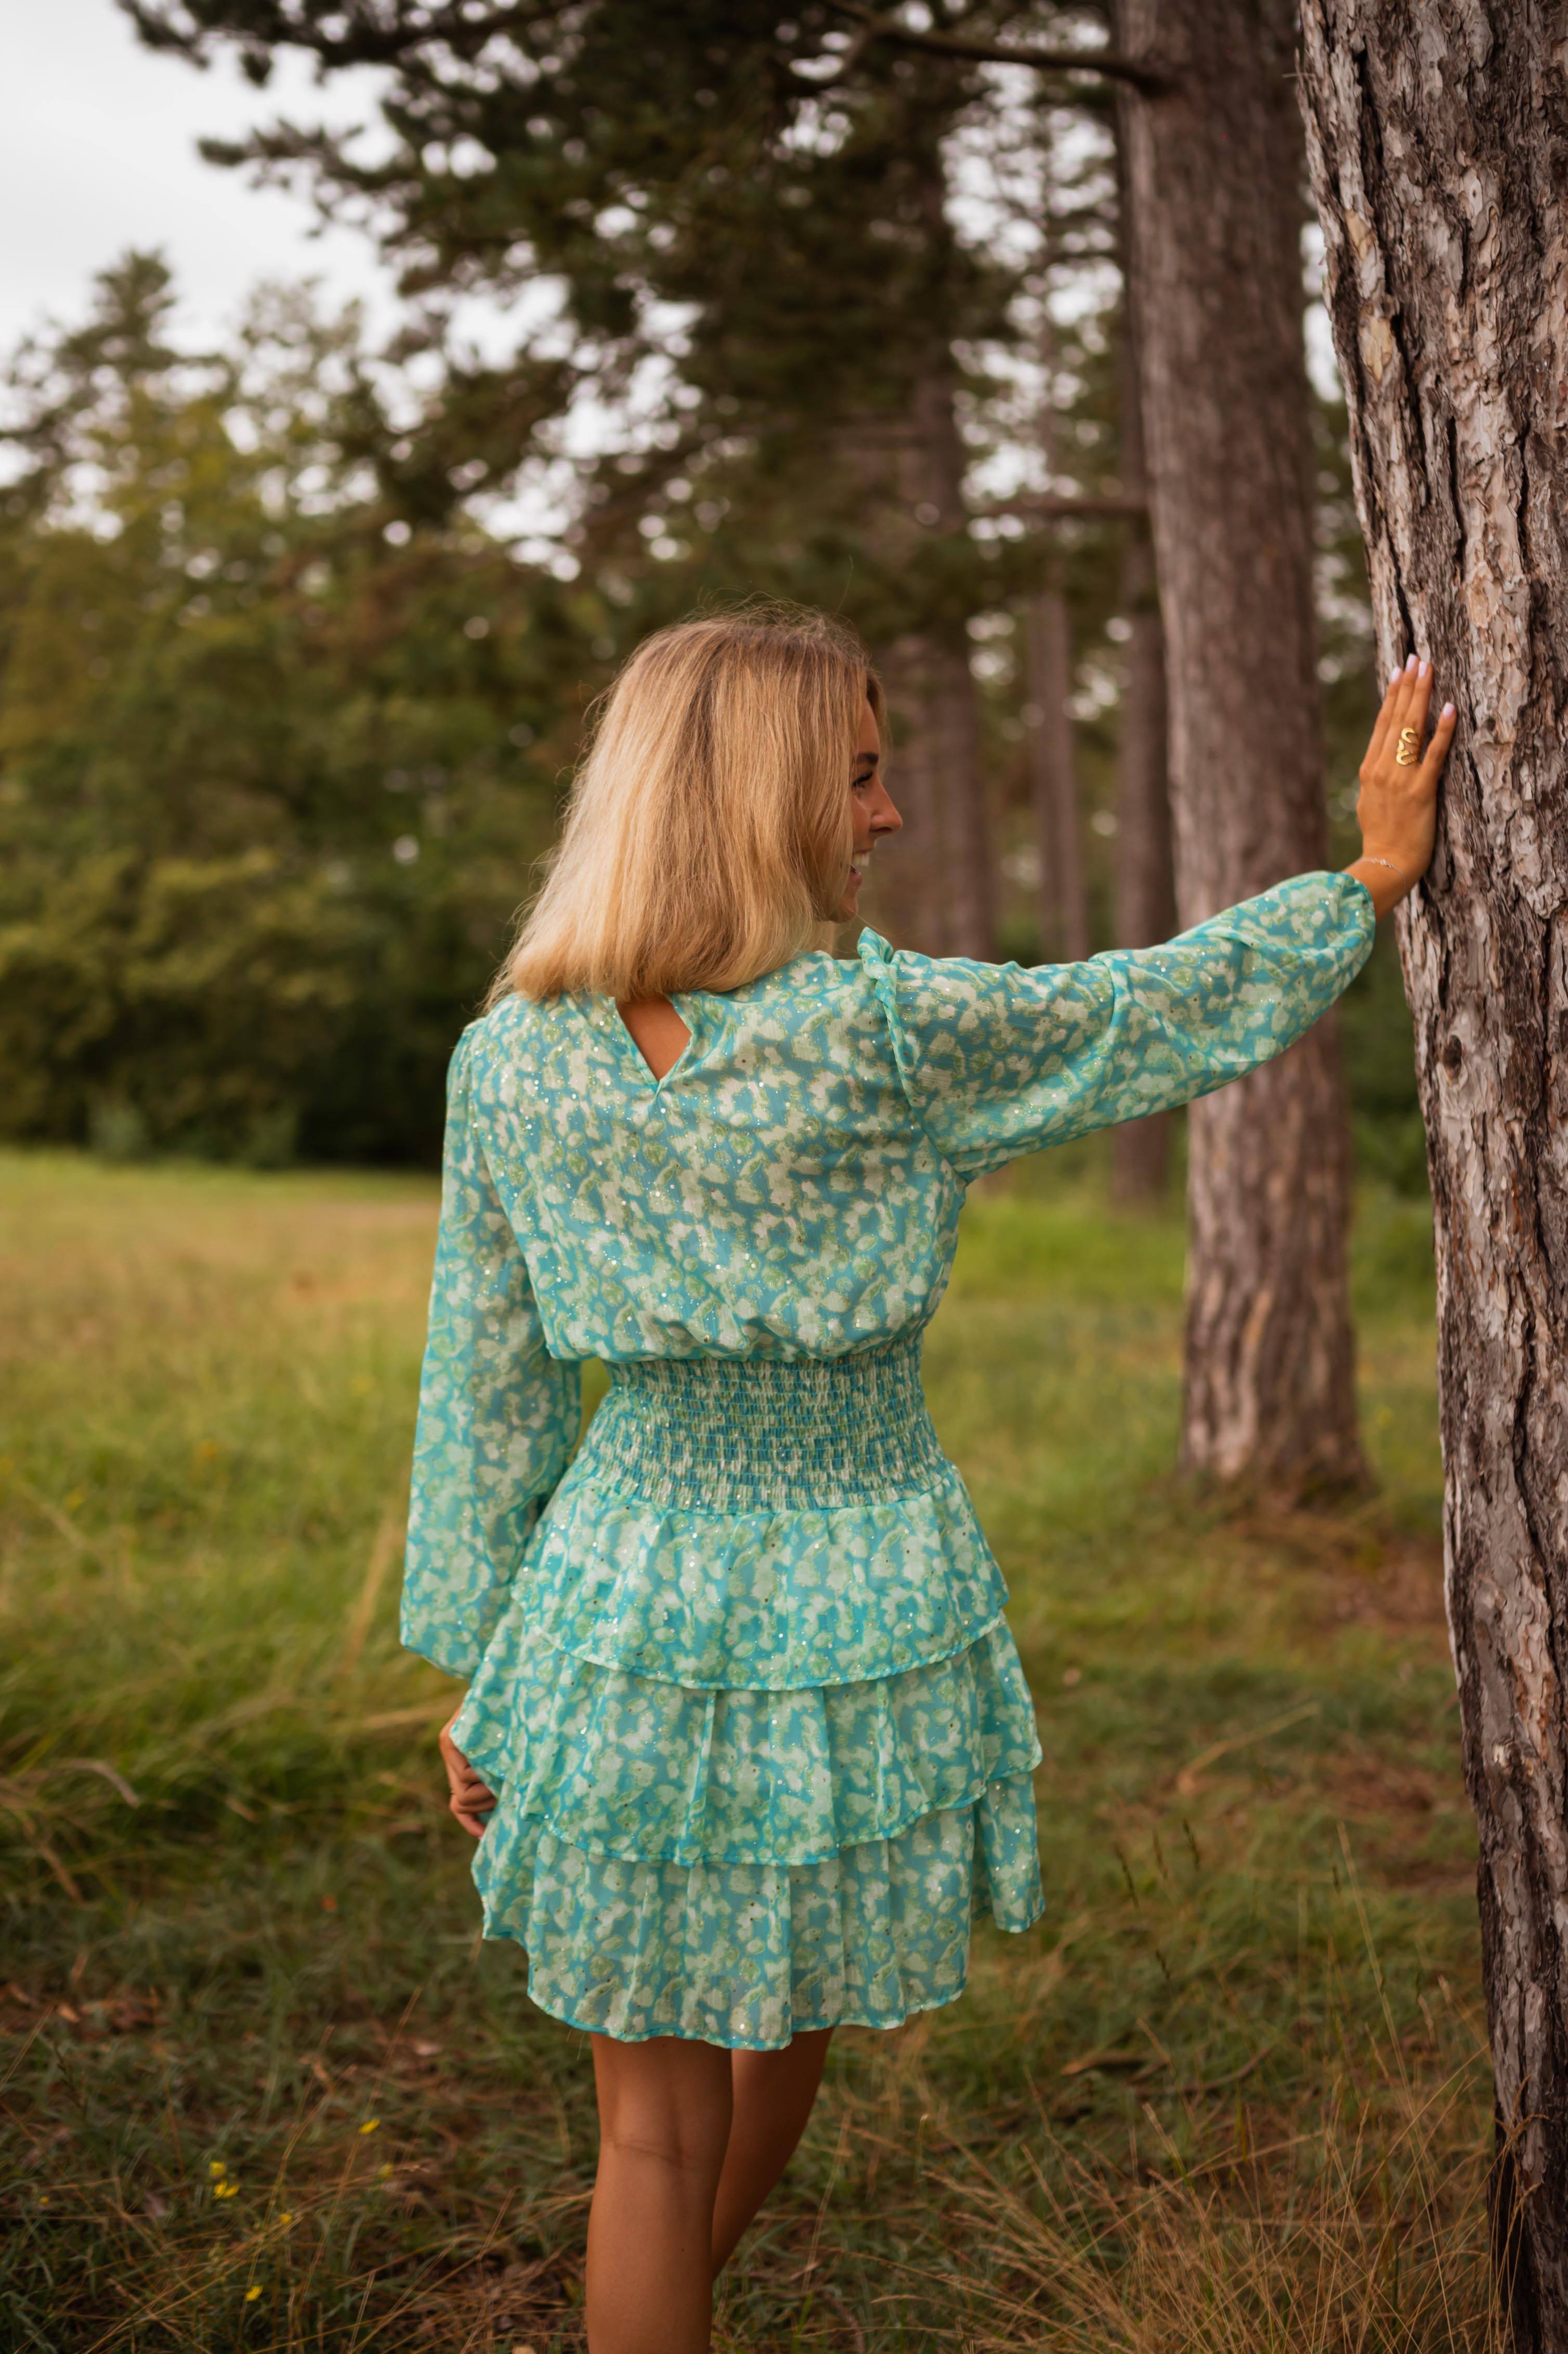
[1438, 141]
[934, 886]
[933, 883]
[1145, 881]
[1053, 779]
[1212, 177]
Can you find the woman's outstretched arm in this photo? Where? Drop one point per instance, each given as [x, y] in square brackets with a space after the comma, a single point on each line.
[999, 1060]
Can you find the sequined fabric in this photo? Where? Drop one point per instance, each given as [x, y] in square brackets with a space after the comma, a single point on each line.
[738, 1668]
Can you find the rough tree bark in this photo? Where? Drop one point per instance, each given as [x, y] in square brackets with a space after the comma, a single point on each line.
[1054, 777]
[1213, 170]
[1145, 880]
[1438, 139]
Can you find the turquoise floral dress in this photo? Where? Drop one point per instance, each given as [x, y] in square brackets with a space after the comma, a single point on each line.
[738, 1671]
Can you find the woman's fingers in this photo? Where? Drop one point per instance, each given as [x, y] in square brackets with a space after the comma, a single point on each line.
[472, 1807]
[471, 1799]
[1433, 750]
[1415, 695]
[1406, 689]
[1405, 704]
[1422, 701]
[1437, 749]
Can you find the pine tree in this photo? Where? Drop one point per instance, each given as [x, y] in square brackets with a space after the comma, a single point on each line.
[761, 269]
[1441, 196]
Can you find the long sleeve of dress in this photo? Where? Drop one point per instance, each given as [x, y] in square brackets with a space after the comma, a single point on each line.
[999, 1060]
[498, 1416]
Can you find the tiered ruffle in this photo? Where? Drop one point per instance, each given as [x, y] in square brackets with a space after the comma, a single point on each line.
[751, 1955]
[756, 1770]
[767, 1600]
[630, 1768]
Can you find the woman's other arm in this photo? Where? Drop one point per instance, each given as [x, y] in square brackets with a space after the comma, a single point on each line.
[498, 1416]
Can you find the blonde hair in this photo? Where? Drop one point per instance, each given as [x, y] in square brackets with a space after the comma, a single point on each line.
[708, 833]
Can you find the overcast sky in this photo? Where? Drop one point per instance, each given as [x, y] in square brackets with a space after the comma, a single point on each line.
[97, 152]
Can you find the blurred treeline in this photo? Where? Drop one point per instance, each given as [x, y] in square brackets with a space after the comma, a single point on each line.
[297, 636]
[272, 777]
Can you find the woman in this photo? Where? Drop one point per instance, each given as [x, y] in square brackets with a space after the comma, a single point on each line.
[745, 1737]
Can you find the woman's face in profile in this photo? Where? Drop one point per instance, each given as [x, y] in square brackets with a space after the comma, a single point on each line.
[873, 812]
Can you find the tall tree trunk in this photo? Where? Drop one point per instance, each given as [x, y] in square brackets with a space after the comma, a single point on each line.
[925, 894]
[936, 884]
[1054, 777]
[933, 888]
[1438, 141]
[1145, 879]
[1212, 173]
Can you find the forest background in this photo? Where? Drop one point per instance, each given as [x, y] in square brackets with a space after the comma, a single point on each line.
[298, 633]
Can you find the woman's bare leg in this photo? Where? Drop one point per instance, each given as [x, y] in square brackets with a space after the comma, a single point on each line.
[773, 2095]
[664, 2119]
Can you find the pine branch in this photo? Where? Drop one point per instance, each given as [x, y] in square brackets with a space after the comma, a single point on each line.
[1109, 62]
[372, 34]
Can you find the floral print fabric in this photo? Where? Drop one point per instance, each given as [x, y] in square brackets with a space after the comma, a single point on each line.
[636, 1768]
[739, 1675]
[751, 1955]
[631, 1569]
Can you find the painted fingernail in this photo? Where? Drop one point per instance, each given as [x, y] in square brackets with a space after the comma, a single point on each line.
[1395, 677]
[1411, 664]
[1447, 711]
[1422, 672]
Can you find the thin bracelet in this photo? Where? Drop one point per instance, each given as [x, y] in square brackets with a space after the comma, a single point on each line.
[1366, 859]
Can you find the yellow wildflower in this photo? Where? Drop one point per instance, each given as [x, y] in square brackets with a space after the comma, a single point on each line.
[251, 2295]
[370, 2124]
[216, 2168]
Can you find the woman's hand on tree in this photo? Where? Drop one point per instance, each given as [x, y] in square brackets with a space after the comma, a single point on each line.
[1397, 807]
[470, 1800]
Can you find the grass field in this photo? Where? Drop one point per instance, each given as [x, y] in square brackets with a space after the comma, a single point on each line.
[264, 2088]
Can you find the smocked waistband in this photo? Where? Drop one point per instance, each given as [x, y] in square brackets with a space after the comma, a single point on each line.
[745, 1434]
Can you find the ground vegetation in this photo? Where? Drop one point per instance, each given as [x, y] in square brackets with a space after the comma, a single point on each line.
[263, 2088]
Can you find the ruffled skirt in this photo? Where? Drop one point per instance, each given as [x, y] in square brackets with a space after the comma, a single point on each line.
[761, 1744]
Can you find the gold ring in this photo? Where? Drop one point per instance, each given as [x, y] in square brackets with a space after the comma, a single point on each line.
[1409, 752]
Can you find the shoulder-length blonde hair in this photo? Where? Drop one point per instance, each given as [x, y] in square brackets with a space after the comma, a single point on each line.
[708, 833]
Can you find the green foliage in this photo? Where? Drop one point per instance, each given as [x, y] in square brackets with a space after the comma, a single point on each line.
[753, 278]
[271, 784]
[285, 700]
[1233, 2093]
